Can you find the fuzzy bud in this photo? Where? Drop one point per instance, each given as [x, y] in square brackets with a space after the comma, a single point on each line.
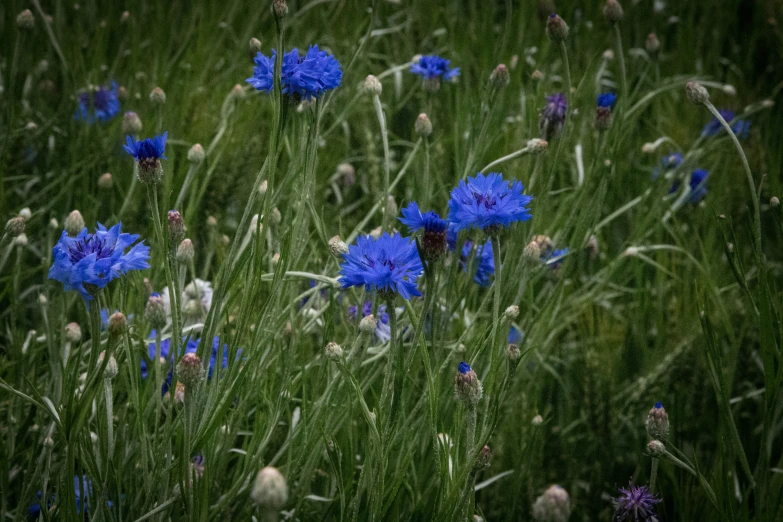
[25, 213]
[774, 202]
[554, 505]
[337, 247]
[176, 228]
[124, 17]
[532, 251]
[656, 448]
[484, 458]
[106, 181]
[512, 312]
[280, 8]
[131, 123]
[537, 76]
[253, 47]
[538, 420]
[14, 226]
[500, 77]
[179, 393]
[346, 174]
[275, 216]
[556, 28]
[185, 251]
[657, 423]
[696, 93]
[467, 385]
[189, 370]
[73, 332]
[423, 125]
[25, 20]
[155, 311]
[262, 187]
[117, 324]
[270, 490]
[372, 85]
[333, 351]
[537, 145]
[158, 96]
[391, 206]
[613, 11]
[54, 224]
[196, 154]
[652, 44]
[74, 223]
[513, 353]
[603, 118]
[368, 324]
[111, 370]
[21, 240]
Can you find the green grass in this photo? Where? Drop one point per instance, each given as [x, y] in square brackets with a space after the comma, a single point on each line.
[681, 307]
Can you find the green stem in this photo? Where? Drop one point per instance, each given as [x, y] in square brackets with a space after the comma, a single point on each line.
[653, 473]
[376, 100]
[427, 180]
[497, 290]
[567, 69]
[107, 391]
[621, 58]
[470, 436]
[95, 330]
[188, 180]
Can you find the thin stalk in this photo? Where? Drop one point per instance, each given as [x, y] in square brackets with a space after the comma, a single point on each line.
[621, 58]
[653, 473]
[515, 154]
[188, 180]
[107, 392]
[567, 68]
[129, 195]
[427, 180]
[95, 330]
[498, 284]
[376, 100]
[470, 429]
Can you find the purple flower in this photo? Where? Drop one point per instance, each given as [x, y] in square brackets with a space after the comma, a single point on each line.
[551, 118]
[635, 504]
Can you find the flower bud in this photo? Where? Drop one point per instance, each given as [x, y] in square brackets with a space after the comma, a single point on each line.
[25, 20]
[391, 206]
[774, 202]
[373, 85]
[467, 385]
[657, 423]
[21, 240]
[270, 490]
[73, 332]
[106, 181]
[537, 145]
[346, 174]
[652, 44]
[25, 213]
[484, 458]
[211, 221]
[656, 448]
[603, 118]
[613, 11]
[117, 324]
[193, 309]
[280, 8]
[253, 47]
[111, 370]
[155, 311]
[337, 247]
[368, 324]
[54, 224]
[556, 28]
[131, 123]
[190, 371]
[532, 251]
[537, 76]
[196, 154]
[500, 77]
[262, 188]
[176, 228]
[14, 226]
[275, 216]
[158, 96]
[179, 393]
[538, 420]
[124, 17]
[185, 251]
[553, 505]
[512, 312]
[513, 353]
[333, 351]
[74, 223]
[696, 93]
[423, 126]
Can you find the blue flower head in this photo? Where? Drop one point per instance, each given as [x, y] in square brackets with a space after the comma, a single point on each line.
[484, 262]
[658, 405]
[148, 153]
[554, 258]
[434, 67]
[606, 99]
[463, 368]
[635, 504]
[433, 241]
[741, 128]
[100, 105]
[96, 259]
[303, 77]
[389, 264]
[488, 202]
[697, 184]
[82, 489]
[552, 117]
[515, 335]
[668, 162]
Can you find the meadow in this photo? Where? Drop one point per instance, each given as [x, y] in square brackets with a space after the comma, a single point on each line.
[457, 260]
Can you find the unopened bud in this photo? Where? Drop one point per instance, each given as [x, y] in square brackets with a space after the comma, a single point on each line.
[25, 20]
[537, 76]
[652, 44]
[537, 145]
[337, 247]
[656, 448]
[696, 93]
[512, 312]
[21, 240]
[467, 385]
[131, 123]
[270, 490]
[105, 181]
[262, 188]
[500, 77]
[74, 223]
[423, 126]
[484, 458]
[556, 28]
[14, 226]
[124, 17]
[532, 251]
[190, 371]
[158, 96]
[176, 228]
[196, 154]
[368, 324]
[774, 202]
[185, 251]
[253, 47]
[513, 353]
[613, 11]
[280, 8]
[373, 85]
[111, 370]
[538, 420]
[346, 174]
[54, 224]
[333, 351]
[179, 393]
[554, 505]
[73, 332]
[117, 324]
[155, 311]
[657, 423]
[275, 216]
[25, 213]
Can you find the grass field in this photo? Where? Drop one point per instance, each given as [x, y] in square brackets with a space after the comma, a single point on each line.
[649, 272]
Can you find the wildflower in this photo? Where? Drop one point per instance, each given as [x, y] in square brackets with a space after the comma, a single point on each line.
[668, 162]
[191, 346]
[656, 448]
[556, 28]
[333, 351]
[270, 490]
[423, 125]
[555, 257]
[94, 260]
[606, 99]
[303, 77]
[380, 327]
[635, 504]
[433, 69]
[467, 385]
[197, 465]
[554, 505]
[485, 263]
[176, 228]
[155, 312]
[697, 185]
[131, 123]
[696, 93]
[512, 312]
[82, 489]
[189, 370]
[613, 11]
[741, 128]
[280, 8]
[389, 264]
[148, 153]
[657, 423]
[368, 324]
[515, 335]
[552, 117]
[603, 111]
[74, 223]
[14, 226]
[197, 290]
[433, 240]
[488, 202]
[513, 353]
[100, 104]
[185, 251]
[73, 332]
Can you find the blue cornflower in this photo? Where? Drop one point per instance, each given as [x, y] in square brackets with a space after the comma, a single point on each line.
[606, 99]
[669, 162]
[554, 258]
[515, 335]
[697, 184]
[635, 504]
[389, 264]
[303, 77]
[741, 128]
[148, 153]
[82, 490]
[488, 202]
[433, 241]
[432, 67]
[190, 347]
[98, 105]
[96, 259]
[463, 368]
[484, 261]
[552, 117]
[382, 329]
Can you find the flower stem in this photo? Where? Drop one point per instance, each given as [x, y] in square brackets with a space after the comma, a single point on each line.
[188, 180]
[470, 429]
[427, 180]
[95, 330]
[376, 100]
[107, 392]
[497, 289]
[653, 473]
[621, 58]
[567, 69]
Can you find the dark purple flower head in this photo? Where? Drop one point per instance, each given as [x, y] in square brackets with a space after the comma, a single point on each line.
[635, 504]
[552, 116]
